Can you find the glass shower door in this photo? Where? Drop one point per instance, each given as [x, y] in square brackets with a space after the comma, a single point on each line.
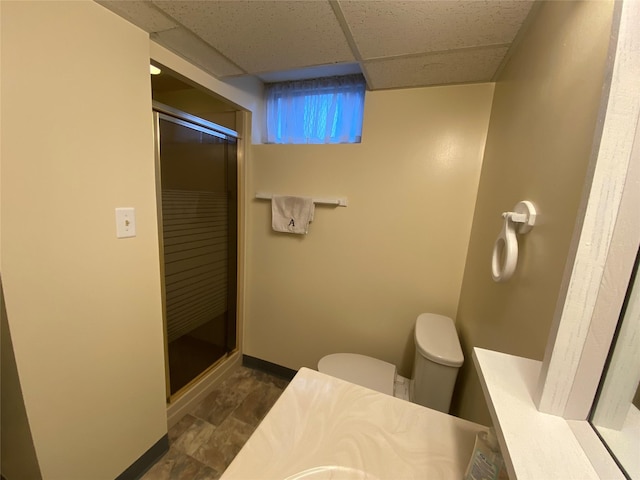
[198, 211]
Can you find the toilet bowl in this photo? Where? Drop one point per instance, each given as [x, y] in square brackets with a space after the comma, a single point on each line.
[436, 363]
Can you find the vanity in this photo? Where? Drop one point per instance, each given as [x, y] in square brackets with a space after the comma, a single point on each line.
[323, 427]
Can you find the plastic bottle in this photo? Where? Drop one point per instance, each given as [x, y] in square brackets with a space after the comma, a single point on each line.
[486, 462]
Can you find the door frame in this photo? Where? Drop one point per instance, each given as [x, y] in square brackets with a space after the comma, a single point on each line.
[166, 112]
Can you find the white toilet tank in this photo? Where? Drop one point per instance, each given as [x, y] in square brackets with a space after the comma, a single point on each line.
[437, 361]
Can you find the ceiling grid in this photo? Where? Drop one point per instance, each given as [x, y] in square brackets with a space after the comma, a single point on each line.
[394, 43]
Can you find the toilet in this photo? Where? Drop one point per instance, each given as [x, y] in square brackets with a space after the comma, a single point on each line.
[435, 368]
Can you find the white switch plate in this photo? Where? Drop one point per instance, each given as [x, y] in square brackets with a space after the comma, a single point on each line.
[125, 222]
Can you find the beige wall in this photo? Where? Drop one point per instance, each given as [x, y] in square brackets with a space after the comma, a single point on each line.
[540, 137]
[17, 454]
[244, 91]
[200, 104]
[361, 276]
[83, 307]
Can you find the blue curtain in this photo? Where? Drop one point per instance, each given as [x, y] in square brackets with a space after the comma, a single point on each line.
[322, 110]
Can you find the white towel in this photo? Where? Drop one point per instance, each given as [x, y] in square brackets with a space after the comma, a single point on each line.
[291, 214]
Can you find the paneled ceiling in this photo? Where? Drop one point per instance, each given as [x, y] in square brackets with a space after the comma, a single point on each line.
[394, 43]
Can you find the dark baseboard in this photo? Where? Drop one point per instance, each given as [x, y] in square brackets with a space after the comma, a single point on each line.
[268, 367]
[146, 461]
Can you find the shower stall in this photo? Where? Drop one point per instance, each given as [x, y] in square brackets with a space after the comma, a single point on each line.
[197, 180]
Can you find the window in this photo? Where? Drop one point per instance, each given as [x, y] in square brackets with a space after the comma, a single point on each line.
[323, 110]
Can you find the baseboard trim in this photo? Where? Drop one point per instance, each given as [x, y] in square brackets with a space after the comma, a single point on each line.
[268, 367]
[147, 460]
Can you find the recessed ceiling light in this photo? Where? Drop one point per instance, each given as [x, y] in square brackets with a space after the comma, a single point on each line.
[154, 70]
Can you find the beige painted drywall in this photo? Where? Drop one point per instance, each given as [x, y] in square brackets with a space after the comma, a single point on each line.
[540, 138]
[362, 275]
[244, 91]
[200, 104]
[17, 454]
[83, 307]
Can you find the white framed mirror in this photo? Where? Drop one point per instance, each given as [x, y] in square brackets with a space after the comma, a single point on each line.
[616, 411]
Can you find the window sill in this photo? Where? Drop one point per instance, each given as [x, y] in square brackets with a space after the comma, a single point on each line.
[534, 444]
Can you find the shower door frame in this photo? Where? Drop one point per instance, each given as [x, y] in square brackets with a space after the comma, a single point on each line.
[165, 112]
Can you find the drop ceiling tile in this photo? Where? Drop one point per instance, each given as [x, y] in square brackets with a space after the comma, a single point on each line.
[189, 46]
[263, 36]
[472, 65]
[335, 69]
[393, 27]
[141, 14]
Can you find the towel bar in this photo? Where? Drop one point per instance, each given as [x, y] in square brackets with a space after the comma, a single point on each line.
[338, 201]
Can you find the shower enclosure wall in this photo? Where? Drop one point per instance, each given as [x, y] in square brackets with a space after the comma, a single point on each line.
[197, 179]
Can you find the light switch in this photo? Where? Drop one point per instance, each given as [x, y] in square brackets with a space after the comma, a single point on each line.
[125, 222]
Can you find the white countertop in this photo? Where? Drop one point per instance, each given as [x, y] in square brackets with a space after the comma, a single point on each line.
[323, 427]
[537, 445]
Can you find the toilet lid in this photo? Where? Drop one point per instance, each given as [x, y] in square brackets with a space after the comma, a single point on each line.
[361, 370]
[437, 340]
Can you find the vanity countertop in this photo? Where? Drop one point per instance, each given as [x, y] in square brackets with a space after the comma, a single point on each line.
[537, 445]
[323, 427]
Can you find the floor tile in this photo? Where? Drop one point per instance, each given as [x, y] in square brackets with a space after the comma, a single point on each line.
[198, 433]
[234, 431]
[180, 427]
[257, 404]
[225, 444]
[272, 379]
[177, 466]
[205, 441]
[216, 406]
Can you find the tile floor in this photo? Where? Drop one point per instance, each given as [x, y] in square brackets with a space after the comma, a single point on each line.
[206, 440]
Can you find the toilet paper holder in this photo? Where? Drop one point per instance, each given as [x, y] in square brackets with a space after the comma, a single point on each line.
[505, 250]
